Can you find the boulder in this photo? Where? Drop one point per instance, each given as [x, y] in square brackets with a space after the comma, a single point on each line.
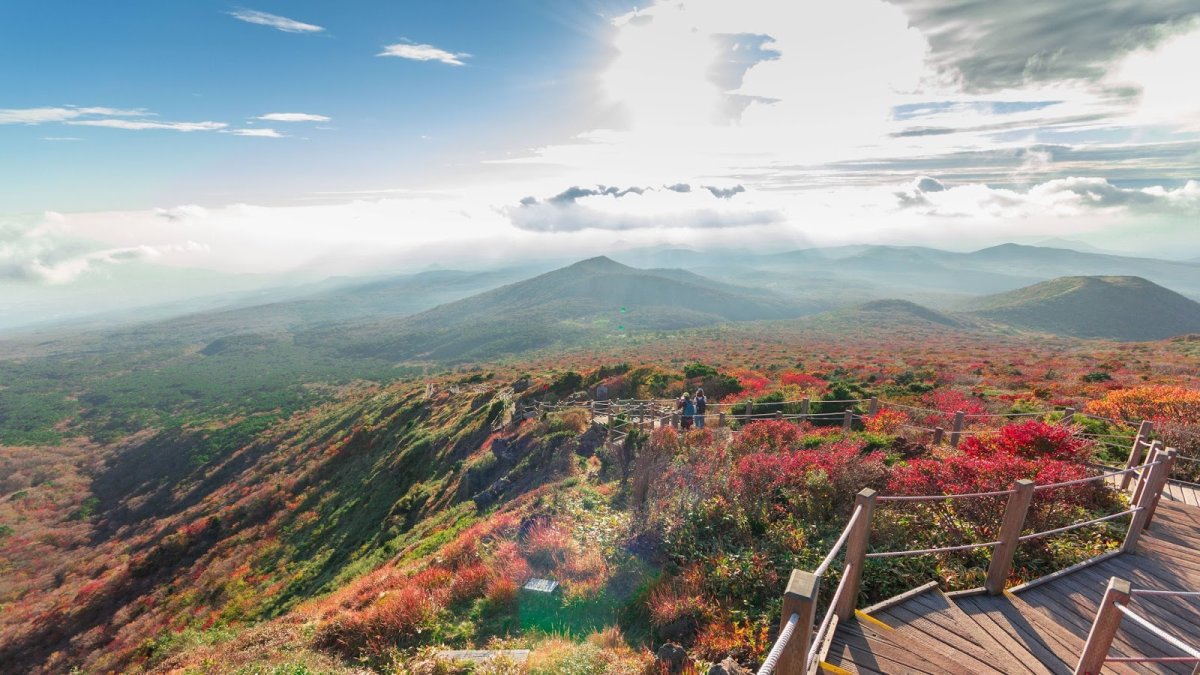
[727, 667]
[672, 659]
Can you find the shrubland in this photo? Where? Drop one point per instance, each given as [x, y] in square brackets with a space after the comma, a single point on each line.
[369, 526]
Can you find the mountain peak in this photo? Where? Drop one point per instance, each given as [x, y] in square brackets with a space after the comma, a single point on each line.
[600, 263]
[1113, 307]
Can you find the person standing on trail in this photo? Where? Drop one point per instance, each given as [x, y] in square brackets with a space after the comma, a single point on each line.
[688, 410]
[701, 402]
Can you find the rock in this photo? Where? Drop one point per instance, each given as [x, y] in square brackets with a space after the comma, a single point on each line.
[727, 667]
[520, 385]
[672, 659]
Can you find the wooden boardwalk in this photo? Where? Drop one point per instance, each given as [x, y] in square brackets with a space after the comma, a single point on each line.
[1040, 628]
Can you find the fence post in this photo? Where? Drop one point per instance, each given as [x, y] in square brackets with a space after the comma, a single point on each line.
[1010, 532]
[1068, 416]
[1104, 628]
[804, 404]
[675, 420]
[750, 411]
[847, 420]
[593, 406]
[1168, 464]
[956, 430]
[1152, 483]
[778, 415]
[800, 598]
[720, 419]
[938, 434]
[1135, 453]
[873, 407]
[1155, 448]
[856, 553]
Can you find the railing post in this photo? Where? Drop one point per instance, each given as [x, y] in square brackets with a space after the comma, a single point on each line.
[721, 419]
[750, 411]
[1104, 628]
[956, 430]
[800, 598]
[593, 406]
[778, 415]
[804, 405]
[938, 434]
[1010, 533]
[1151, 484]
[847, 420]
[1168, 464]
[1135, 453]
[1068, 416]
[1138, 487]
[873, 406]
[856, 553]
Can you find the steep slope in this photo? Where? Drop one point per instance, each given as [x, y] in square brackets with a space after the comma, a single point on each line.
[1119, 308]
[592, 298]
[252, 526]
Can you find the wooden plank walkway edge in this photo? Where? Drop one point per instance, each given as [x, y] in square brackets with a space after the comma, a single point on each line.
[897, 599]
[1034, 583]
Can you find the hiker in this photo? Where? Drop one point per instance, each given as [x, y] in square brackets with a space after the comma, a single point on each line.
[688, 410]
[701, 402]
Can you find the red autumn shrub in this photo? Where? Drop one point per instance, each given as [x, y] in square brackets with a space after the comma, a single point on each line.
[807, 481]
[508, 563]
[948, 401]
[678, 609]
[1032, 440]
[469, 583]
[803, 380]
[547, 546]
[501, 592]
[766, 436]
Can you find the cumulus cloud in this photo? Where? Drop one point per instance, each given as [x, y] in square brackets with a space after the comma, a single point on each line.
[274, 21]
[43, 253]
[293, 117]
[637, 208]
[416, 52]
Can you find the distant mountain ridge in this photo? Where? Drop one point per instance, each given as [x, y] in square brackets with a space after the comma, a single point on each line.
[1110, 307]
[591, 298]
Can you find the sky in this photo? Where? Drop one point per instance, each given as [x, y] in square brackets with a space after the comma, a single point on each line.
[151, 150]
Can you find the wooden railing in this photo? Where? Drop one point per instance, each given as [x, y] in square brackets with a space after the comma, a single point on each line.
[1114, 607]
[796, 651]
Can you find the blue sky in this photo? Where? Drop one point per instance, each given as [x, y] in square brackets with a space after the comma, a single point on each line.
[524, 81]
[302, 139]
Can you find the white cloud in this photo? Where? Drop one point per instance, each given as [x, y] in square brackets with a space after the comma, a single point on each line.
[274, 21]
[1156, 72]
[651, 208]
[1062, 198]
[293, 117]
[259, 133]
[142, 125]
[61, 138]
[417, 52]
[61, 114]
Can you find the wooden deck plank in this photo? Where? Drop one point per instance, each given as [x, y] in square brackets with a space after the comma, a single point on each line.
[1043, 629]
[1019, 643]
